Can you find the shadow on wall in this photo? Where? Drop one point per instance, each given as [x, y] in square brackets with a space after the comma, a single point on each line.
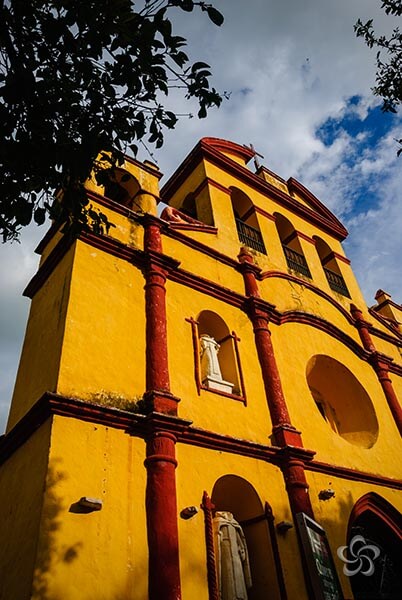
[49, 553]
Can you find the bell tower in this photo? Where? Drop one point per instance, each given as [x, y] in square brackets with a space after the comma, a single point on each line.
[204, 402]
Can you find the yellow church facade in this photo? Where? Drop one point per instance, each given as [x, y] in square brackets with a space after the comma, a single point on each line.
[213, 370]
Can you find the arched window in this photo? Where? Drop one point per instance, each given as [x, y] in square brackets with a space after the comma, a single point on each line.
[331, 268]
[189, 206]
[342, 401]
[217, 359]
[121, 186]
[291, 246]
[236, 501]
[380, 525]
[247, 226]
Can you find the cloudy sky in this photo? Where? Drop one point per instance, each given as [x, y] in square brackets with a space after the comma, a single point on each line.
[299, 84]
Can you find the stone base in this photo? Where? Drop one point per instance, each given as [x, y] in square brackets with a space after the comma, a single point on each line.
[218, 384]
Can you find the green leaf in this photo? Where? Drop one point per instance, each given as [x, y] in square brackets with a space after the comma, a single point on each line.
[40, 215]
[215, 16]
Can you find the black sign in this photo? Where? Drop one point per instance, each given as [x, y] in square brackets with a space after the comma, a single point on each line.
[320, 565]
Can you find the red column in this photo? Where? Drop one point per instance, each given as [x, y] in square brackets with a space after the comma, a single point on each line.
[161, 507]
[207, 507]
[296, 485]
[380, 365]
[284, 433]
[157, 365]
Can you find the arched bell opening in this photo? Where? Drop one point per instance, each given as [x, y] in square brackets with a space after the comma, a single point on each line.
[245, 216]
[331, 268]
[292, 249]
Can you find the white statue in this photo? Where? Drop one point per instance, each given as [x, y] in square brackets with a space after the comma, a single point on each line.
[232, 559]
[211, 374]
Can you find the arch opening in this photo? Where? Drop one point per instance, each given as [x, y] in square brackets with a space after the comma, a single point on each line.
[237, 496]
[342, 401]
[247, 225]
[292, 249]
[380, 525]
[331, 268]
[219, 361]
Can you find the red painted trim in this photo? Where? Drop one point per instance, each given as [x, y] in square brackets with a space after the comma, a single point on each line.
[196, 245]
[236, 341]
[207, 506]
[389, 325]
[143, 166]
[353, 474]
[275, 551]
[265, 214]
[197, 366]
[225, 394]
[204, 151]
[377, 505]
[54, 404]
[380, 364]
[137, 424]
[196, 352]
[49, 235]
[296, 186]
[47, 268]
[250, 272]
[189, 227]
[297, 487]
[161, 510]
[311, 287]
[208, 181]
[231, 147]
[269, 369]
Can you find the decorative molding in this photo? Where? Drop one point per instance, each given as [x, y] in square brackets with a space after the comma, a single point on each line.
[199, 246]
[191, 227]
[310, 286]
[54, 404]
[47, 268]
[204, 150]
[377, 505]
[265, 214]
[51, 232]
[138, 425]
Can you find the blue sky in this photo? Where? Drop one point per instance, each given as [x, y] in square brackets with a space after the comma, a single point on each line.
[299, 84]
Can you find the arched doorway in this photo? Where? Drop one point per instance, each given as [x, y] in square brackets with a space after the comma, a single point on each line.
[236, 495]
[380, 524]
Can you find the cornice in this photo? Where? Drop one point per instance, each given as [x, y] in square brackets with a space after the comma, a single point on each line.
[204, 151]
[48, 266]
[185, 432]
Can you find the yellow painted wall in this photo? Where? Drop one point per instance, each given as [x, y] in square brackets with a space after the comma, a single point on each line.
[104, 343]
[101, 554]
[206, 467]
[294, 345]
[86, 339]
[39, 363]
[22, 480]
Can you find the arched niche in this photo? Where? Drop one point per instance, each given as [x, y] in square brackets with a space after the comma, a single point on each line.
[342, 401]
[380, 524]
[234, 494]
[247, 225]
[331, 268]
[121, 186]
[212, 324]
[292, 249]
